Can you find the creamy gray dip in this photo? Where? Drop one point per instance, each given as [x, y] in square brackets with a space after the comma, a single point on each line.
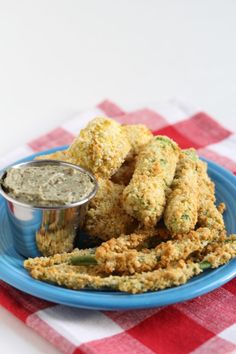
[49, 185]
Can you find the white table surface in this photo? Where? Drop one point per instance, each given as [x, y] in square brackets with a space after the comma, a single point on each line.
[58, 57]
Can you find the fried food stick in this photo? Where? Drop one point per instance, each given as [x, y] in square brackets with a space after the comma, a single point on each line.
[80, 277]
[145, 196]
[74, 277]
[138, 136]
[120, 244]
[181, 211]
[130, 261]
[138, 240]
[208, 214]
[31, 263]
[106, 217]
[101, 147]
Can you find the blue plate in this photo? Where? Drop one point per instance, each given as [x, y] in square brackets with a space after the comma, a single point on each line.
[13, 272]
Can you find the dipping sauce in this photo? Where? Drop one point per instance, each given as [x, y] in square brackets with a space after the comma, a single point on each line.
[47, 185]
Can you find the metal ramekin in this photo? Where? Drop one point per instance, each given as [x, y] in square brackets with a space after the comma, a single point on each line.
[38, 230]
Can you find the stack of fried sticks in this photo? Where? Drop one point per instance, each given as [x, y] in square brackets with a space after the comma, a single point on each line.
[155, 210]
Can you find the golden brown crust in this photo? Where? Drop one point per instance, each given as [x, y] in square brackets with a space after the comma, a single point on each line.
[208, 214]
[58, 269]
[55, 259]
[79, 277]
[145, 196]
[181, 210]
[138, 136]
[101, 147]
[114, 257]
[106, 217]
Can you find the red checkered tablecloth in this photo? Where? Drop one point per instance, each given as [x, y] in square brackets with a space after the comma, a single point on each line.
[201, 326]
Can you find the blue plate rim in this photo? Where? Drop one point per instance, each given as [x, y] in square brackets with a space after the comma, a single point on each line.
[120, 301]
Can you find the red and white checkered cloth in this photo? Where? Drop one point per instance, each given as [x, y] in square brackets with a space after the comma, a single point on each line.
[201, 326]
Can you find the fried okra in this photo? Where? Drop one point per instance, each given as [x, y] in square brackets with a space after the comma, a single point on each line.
[101, 147]
[145, 196]
[106, 217]
[181, 211]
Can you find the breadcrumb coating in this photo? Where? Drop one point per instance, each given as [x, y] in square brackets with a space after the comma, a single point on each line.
[101, 147]
[141, 178]
[61, 258]
[106, 217]
[138, 240]
[145, 196]
[208, 214]
[56, 241]
[221, 253]
[138, 136]
[81, 277]
[111, 259]
[58, 269]
[181, 210]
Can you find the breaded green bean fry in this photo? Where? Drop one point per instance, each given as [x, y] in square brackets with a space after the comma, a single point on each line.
[56, 259]
[181, 211]
[131, 260]
[145, 196]
[57, 269]
[75, 277]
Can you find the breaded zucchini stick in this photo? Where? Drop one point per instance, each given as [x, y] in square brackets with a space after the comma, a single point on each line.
[138, 136]
[145, 196]
[208, 214]
[106, 217]
[101, 147]
[181, 211]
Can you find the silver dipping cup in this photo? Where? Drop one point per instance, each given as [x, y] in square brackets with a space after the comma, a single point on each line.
[36, 229]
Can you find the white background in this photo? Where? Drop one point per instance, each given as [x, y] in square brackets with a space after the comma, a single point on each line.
[58, 57]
